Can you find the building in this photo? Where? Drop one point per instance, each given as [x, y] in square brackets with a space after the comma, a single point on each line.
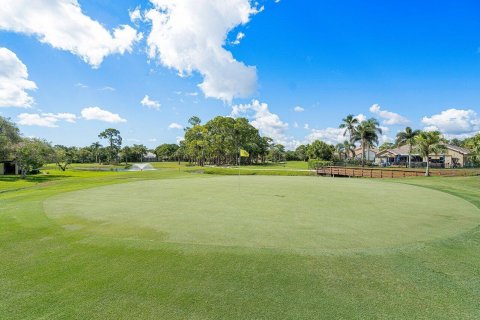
[370, 153]
[150, 157]
[8, 168]
[451, 157]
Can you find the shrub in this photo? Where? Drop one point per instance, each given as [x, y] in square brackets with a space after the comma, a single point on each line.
[315, 164]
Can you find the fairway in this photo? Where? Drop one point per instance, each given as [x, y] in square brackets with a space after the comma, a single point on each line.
[299, 214]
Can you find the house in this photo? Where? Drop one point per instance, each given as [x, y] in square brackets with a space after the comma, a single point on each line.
[451, 157]
[150, 157]
[370, 153]
[8, 167]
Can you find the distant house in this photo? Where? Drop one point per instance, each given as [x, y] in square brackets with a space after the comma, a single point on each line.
[370, 153]
[150, 157]
[8, 167]
[452, 157]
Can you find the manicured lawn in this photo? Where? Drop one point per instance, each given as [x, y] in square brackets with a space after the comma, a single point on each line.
[169, 244]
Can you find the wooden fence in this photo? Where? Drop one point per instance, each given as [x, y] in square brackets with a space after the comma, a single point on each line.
[381, 173]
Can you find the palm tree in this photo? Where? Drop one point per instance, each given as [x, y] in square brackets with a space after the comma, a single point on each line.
[367, 133]
[349, 124]
[95, 147]
[427, 143]
[349, 148]
[407, 137]
[340, 149]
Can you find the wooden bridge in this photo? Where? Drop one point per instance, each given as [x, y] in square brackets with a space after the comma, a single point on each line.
[381, 173]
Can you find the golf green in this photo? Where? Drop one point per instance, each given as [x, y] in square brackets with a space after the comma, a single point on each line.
[300, 214]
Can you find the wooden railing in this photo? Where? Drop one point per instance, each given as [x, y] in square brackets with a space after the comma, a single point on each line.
[381, 173]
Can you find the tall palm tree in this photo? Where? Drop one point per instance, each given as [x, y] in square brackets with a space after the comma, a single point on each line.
[407, 137]
[349, 123]
[428, 143]
[367, 134]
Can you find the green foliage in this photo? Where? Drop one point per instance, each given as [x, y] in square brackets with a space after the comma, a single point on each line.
[32, 153]
[115, 143]
[316, 164]
[320, 150]
[427, 143]
[166, 152]
[9, 136]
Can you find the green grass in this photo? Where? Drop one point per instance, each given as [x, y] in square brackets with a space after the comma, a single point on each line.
[111, 266]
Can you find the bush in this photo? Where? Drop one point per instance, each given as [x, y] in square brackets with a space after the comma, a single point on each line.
[315, 164]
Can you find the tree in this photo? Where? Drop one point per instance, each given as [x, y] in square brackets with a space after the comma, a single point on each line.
[349, 124]
[407, 137]
[386, 146]
[126, 152]
[473, 144]
[367, 134]
[31, 154]
[96, 149]
[320, 150]
[277, 152]
[349, 148]
[64, 156]
[139, 151]
[9, 136]
[166, 151]
[301, 152]
[114, 140]
[428, 143]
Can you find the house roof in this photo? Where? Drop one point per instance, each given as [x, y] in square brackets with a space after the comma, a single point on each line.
[403, 150]
[458, 149]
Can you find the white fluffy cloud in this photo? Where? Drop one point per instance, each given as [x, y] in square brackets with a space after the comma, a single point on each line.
[189, 36]
[389, 118]
[48, 120]
[268, 123]
[14, 82]
[175, 126]
[63, 25]
[239, 38]
[298, 109]
[96, 113]
[328, 135]
[454, 122]
[149, 103]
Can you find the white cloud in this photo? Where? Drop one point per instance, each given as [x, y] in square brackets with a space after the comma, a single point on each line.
[14, 82]
[152, 140]
[180, 139]
[295, 124]
[239, 38]
[81, 85]
[361, 117]
[63, 25]
[454, 122]
[107, 88]
[298, 109]
[192, 94]
[175, 126]
[96, 113]
[268, 123]
[328, 135]
[189, 36]
[390, 118]
[48, 120]
[149, 103]
[135, 15]
[306, 126]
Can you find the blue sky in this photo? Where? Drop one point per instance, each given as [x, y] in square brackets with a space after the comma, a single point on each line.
[404, 62]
